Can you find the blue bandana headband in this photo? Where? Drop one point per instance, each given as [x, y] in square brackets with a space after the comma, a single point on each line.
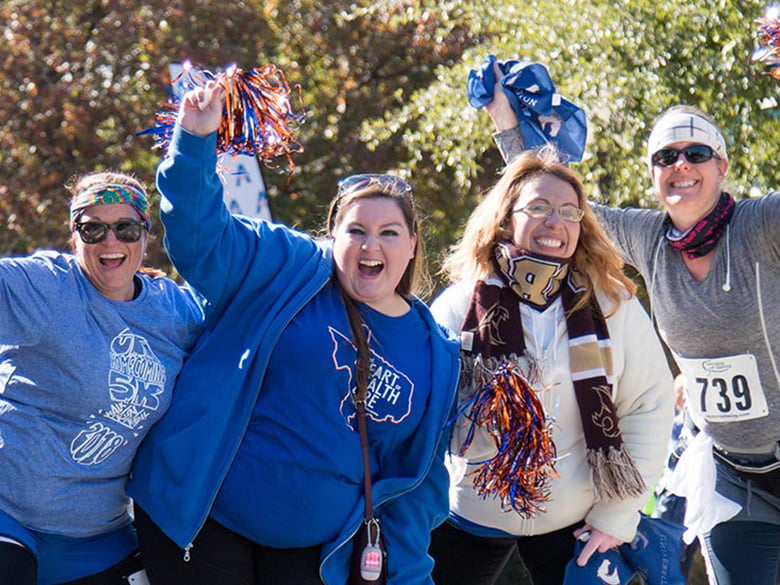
[106, 194]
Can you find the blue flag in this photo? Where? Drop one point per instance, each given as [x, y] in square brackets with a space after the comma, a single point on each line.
[543, 115]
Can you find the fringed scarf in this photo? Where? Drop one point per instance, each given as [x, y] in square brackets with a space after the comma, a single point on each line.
[505, 402]
[702, 237]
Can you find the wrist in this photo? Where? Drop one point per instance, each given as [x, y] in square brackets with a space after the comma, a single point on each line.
[504, 121]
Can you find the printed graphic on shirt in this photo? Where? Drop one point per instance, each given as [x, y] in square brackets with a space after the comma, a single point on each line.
[610, 577]
[136, 379]
[390, 391]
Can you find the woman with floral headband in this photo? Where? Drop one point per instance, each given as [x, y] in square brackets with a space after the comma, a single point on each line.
[90, 345]
[711, 264]
[564, 387]
[255, 476]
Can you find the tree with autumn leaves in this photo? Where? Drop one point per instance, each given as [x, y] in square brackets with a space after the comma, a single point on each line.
[79, 81]
[383, 88]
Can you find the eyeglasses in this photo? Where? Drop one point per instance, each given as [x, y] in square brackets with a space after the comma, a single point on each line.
[539, 210]
[694, 154]
[388, 184]
[94, 232]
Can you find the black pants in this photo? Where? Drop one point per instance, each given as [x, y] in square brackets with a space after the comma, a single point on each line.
[465, 559]
[18, 566]
[221, 557]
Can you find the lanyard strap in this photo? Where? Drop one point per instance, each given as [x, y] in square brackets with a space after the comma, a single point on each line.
[362, 367]
[360, 406]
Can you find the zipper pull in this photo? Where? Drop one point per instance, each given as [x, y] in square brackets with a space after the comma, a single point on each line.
[187, 552]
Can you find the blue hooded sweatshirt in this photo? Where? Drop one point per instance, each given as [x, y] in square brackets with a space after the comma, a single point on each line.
[253, 277]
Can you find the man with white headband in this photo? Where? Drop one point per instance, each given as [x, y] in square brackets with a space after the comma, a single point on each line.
[711, 265]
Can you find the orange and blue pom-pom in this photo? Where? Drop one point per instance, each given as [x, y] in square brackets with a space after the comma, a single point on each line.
[768, 53]
[258, 119]
[509, 409]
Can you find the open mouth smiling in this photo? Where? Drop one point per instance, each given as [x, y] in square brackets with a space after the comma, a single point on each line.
[683, 184]
[112, 260]
[370, 267]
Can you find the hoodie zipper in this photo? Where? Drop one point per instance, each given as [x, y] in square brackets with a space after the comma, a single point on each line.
[414, 486]
[377, 507]
[187, 549]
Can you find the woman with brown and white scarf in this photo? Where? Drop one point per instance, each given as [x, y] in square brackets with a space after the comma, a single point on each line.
[565, 398]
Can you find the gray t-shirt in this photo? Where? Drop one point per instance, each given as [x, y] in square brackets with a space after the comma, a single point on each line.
[82, 380]
[699, 319]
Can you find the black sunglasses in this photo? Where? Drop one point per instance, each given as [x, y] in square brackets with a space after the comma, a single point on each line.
[694, 154]
[94, 232]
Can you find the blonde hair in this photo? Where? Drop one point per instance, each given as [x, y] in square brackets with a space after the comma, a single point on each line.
[596, 258]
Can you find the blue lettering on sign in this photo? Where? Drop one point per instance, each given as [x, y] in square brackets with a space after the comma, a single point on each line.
[235, 207]
[242, 174]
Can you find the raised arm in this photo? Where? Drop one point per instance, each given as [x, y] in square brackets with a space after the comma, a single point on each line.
[213, 250]
[507, 137]
[200, 111]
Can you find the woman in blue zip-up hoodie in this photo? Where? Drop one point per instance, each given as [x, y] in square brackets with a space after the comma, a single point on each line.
[255, 474]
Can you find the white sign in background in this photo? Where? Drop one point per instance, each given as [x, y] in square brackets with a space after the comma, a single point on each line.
[244, 186]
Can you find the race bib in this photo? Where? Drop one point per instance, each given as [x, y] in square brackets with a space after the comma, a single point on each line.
[723, 389]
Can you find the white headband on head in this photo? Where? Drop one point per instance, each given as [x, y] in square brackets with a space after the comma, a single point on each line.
[687, 127]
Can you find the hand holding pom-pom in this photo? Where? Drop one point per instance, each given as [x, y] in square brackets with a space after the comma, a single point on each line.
[250, 111]
[258, 115]
[201, 109]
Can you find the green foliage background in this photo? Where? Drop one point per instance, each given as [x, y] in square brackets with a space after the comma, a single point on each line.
[383, 90]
